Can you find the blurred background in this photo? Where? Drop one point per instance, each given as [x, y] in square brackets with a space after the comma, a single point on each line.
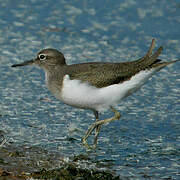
[145, 142]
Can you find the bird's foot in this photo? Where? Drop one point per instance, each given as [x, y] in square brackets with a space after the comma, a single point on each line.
[85, 143]
[97, 125]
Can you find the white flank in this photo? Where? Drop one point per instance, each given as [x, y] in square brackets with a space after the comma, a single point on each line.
[83, 95]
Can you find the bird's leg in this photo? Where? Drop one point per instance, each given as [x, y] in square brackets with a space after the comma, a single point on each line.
[116, 116]
[97, 130]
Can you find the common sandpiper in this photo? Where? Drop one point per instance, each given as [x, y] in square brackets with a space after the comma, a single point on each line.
[96, 85]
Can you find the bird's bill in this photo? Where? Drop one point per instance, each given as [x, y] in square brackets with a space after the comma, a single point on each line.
[24, 63]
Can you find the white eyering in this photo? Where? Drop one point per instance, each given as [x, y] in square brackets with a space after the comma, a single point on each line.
[42, 57]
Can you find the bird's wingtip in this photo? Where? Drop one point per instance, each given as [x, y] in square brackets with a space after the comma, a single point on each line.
[175, 60]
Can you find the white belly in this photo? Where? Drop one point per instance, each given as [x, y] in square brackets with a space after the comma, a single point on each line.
[83, 95]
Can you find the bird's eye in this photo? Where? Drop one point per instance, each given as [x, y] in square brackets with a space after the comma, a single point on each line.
[42, 57]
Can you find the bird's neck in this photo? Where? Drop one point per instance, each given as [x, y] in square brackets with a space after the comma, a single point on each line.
[54, 78]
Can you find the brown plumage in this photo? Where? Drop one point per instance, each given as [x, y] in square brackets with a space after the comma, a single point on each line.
[99, 75]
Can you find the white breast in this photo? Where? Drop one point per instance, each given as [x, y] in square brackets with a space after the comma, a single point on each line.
[83, 95]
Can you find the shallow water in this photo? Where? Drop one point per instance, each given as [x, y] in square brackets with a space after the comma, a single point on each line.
[146, 140]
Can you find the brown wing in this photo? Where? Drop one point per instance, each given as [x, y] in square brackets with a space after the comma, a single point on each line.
[104, 74]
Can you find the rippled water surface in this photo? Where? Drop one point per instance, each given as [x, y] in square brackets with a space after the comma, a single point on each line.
[145, 142]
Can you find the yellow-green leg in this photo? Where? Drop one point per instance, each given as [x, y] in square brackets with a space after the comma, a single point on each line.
[97, 130]
[98, 124]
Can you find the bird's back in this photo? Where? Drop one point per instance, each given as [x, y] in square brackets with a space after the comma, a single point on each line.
[102, 74]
